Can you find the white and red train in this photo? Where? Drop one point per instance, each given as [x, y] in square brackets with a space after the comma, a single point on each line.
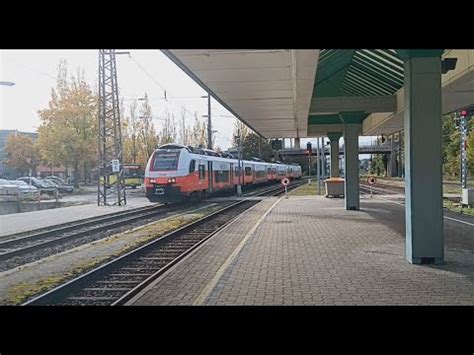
[175, 172]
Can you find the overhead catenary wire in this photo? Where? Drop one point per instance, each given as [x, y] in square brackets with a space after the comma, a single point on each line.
[169, 97]
[146, 73]
[31, 68]
[157, 83]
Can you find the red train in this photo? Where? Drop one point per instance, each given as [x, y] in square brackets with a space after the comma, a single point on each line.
[175, 172]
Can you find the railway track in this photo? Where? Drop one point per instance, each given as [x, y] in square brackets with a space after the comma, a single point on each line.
[120, 279]
[382, 189]
[20, 250]
[73, 224]
[17, 247]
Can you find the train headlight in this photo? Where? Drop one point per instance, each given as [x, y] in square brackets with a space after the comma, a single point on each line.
[152, 181]
[171, 181]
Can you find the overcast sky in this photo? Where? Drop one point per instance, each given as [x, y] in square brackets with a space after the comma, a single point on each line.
[34, 74]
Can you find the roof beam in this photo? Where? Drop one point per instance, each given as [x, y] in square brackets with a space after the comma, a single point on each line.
[323, 105]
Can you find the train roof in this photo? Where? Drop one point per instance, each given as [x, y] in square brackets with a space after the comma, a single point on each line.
[225, 155]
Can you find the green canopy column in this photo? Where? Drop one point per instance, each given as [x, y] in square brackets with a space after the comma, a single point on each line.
[352, 126]
[423, 156]
[334, 139]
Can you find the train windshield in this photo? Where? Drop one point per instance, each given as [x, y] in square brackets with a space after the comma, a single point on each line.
[166, 160]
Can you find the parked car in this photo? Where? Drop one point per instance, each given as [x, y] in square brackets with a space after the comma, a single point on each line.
[50, 183]
[41, 185]
[25, 189]
[9, 190]
[62, 185]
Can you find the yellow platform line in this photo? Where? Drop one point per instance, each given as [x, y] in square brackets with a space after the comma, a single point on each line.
[210, 286]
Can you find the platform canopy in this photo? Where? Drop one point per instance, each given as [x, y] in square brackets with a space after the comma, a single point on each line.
[307, 93]
[269, 90]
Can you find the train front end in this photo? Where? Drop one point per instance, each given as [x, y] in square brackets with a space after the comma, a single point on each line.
[163, 173]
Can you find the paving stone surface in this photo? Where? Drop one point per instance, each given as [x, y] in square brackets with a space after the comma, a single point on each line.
[310, 251]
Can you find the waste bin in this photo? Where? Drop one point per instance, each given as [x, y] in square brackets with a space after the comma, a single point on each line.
[334, 187]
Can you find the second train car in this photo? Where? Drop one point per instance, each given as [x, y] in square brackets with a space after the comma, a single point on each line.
[175, 172]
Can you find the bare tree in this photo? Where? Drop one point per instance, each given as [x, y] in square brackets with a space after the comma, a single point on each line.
[167, 134]
[198, 134]
[184, 130]
[131, 135]
[147, 134]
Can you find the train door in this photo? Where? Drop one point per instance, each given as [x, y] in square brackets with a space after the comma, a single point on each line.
[210, 176]
[231, 174]
[202, 174]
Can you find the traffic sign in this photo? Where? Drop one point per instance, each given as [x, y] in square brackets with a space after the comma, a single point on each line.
[371, 180]
[285, 181]
[115, 166]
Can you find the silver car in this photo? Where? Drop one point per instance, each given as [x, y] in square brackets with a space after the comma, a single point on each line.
[62, 186]
[25, 189]
[8, 190]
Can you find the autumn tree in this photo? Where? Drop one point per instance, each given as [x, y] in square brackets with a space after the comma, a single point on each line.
[167, 133]
[147, 137]
[378, 165]
[240, 129]
[470, 148]
[198, 133]
[183, 128]
[68, 131]
[131, 135]
[21, 154]
[252, 145]
[451, 137]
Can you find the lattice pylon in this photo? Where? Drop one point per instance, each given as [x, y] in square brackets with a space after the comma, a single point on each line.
[109, 191]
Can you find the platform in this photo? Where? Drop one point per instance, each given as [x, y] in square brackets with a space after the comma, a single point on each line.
[26, 221]
[309, 250]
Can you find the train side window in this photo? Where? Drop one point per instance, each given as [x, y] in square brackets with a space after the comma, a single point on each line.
[192, 166]
[202, 172]
[237, 171]
[222, 176]
[248, 170]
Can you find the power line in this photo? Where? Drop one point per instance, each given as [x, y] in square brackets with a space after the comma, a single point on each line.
[171, 97]
[32, 68]
[146, 73]
[174, 98]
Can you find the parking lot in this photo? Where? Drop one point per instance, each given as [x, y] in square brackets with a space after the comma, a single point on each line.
[30, 194]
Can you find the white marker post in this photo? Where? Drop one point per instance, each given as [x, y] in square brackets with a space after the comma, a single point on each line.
[285, 183]
[371, 180]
